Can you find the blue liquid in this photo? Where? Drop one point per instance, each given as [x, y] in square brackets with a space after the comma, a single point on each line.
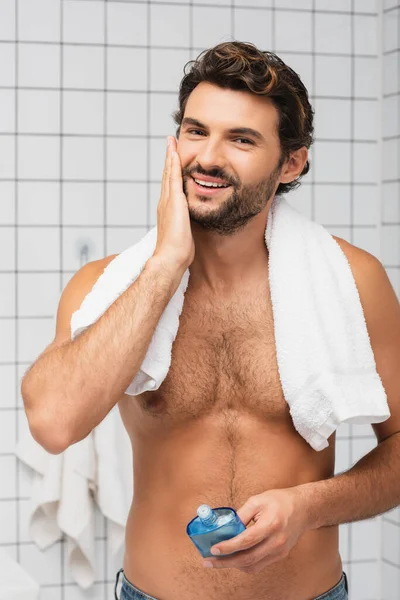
[212, 526]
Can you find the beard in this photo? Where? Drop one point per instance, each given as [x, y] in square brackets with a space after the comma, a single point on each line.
[236, 211]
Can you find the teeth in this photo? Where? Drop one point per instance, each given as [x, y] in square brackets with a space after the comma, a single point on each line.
[209, 184]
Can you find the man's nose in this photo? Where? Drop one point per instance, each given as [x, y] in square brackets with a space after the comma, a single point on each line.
[209, 156]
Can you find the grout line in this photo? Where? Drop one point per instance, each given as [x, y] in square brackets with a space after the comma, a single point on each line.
[352, 148]
[379, 220]
[61, 235]
[148, 95]
[17, 322]
[246, 6]
[104, 226]
[105, 130]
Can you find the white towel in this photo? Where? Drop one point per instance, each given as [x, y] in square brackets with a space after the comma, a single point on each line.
[325, 359]
[326, 364]
[66, 487]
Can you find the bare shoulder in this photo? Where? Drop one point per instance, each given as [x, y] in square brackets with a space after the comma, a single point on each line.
[378, 298]
[377, 295]
[366, 268]
[102, 263]
[82, 282]
[354, 254]
[73, 295]
[90, 272]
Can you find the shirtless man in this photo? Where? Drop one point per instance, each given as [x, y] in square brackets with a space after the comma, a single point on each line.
[218, 430]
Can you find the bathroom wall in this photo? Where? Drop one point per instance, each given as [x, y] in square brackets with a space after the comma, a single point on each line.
[87, 88]
[390, 235]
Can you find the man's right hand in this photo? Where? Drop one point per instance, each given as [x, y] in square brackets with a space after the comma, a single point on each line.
[175, 244]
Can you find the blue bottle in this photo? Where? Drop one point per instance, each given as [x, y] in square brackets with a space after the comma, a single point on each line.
[213, 525]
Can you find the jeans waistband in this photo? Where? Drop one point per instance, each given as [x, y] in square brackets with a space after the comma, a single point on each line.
[344, 577]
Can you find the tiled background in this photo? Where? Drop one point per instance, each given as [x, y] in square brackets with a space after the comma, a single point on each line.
[87, 88]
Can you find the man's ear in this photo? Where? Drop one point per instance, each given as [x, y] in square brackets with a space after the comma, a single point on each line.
[295, 165]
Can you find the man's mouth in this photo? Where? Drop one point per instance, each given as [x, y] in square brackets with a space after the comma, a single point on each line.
[208, 188]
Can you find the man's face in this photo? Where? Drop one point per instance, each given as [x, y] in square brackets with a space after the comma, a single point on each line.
[249, 164]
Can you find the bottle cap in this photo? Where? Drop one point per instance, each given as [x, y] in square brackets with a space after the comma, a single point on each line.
[204, 511]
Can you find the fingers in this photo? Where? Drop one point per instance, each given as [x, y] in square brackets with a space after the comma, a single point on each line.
[175, 184]
[172, 172]
[244, 540]
[249, 509]
[248, 560]
[166, 174]
[172, 175]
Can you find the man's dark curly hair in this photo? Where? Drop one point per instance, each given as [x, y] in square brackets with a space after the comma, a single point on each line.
[241, 66]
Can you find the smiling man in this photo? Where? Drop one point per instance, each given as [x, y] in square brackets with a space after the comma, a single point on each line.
[244, 194]
[218, 430]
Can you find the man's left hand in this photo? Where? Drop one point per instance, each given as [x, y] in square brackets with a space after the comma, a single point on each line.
[280, 518]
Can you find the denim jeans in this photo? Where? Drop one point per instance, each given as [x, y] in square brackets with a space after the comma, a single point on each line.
[130, 592]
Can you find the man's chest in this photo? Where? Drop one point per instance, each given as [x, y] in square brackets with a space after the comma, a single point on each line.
[223, 360]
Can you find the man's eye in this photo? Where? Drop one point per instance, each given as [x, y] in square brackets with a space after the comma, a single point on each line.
[194, 130]
[198, 131]
[245, 139]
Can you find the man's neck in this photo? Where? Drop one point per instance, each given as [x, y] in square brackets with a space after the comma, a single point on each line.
[226, 263]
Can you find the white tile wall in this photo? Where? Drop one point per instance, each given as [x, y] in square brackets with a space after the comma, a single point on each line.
[121, 75]
[127, 112]
[366, 120]
[7, 64]
[297, 4]
[7, 156]
[365, 35]
[83, 67]
[83, 158]
[38, 157]
[7, 111]
[38, 20]
[333, 76]
[366, 6]
[32, 55]
[328, 28]
[83, 22]
[293, 31]
[366, 205]
[390, 159]
[126, 23]
[7, 20]
[112, 97]
[38, 111]
[38, 202]
[83, 203]
[338, 5]
[83, 112]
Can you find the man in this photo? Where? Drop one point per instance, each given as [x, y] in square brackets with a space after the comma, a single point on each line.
[218, 430]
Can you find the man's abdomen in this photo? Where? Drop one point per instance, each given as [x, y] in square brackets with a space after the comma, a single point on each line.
[162, 562]
[178, 471]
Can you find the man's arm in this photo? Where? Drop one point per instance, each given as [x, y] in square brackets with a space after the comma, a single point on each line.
[370, 488]
[372, 485]
[73, 385]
